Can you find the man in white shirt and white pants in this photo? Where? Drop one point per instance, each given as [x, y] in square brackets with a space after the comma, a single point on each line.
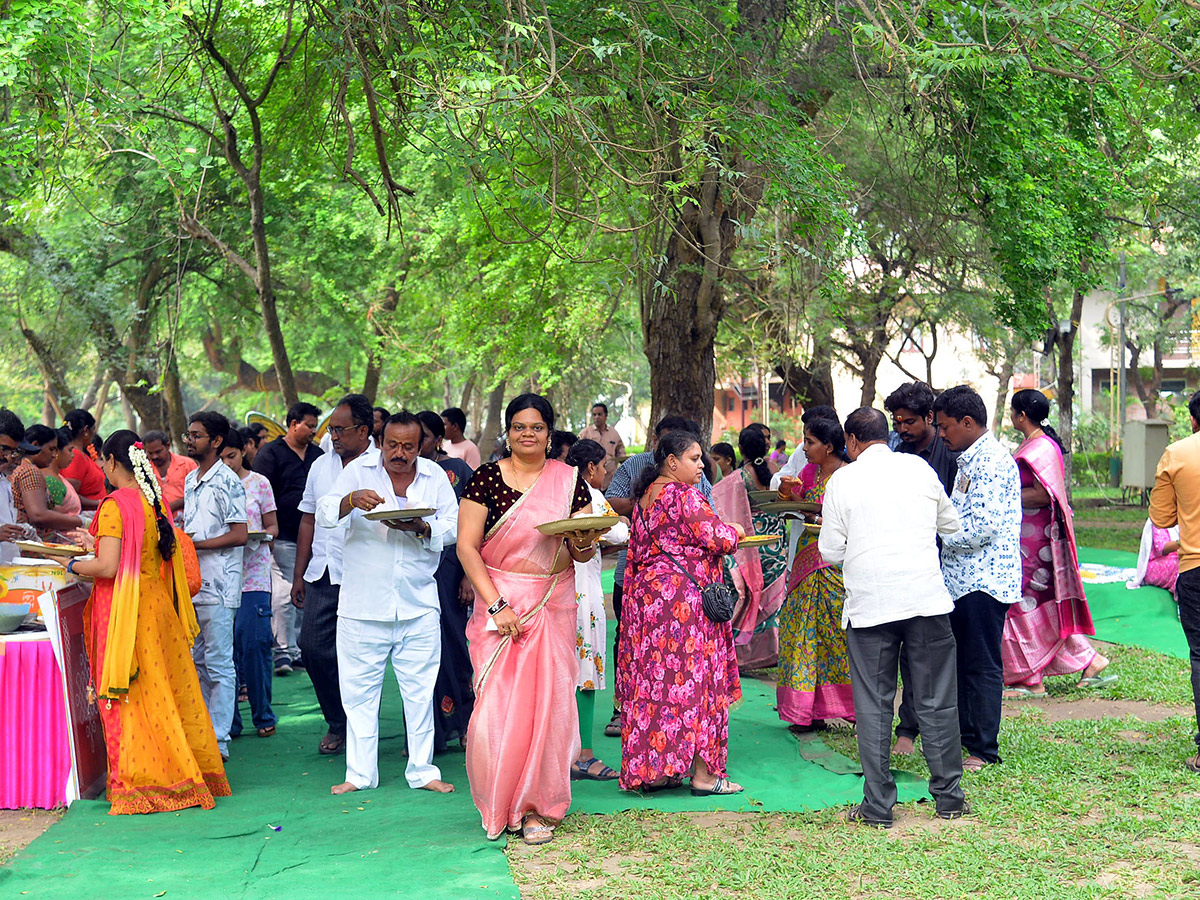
[880, 520]
[388, 605]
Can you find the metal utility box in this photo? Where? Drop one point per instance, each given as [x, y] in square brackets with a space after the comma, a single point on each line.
[1145, 442]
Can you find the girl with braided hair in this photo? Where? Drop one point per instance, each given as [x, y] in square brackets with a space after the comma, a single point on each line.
[139, 627]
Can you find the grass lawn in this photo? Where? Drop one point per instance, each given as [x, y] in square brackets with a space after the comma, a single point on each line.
[1104, 537]
[1092, 801]
[1109, 527]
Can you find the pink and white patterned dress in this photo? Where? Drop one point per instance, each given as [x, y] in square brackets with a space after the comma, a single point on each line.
[256, 562]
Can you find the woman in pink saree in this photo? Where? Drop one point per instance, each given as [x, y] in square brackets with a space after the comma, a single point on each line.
[523, 735]
[1044, 634]
[757, 574]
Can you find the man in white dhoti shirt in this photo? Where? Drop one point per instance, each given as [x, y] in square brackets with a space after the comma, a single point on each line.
[388, 606]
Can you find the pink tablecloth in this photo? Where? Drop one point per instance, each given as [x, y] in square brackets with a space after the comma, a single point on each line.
[36, 756]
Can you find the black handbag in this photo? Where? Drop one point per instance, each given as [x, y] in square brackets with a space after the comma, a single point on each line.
[717, 599]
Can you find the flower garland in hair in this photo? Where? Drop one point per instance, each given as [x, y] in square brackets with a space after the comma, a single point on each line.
[144, 474]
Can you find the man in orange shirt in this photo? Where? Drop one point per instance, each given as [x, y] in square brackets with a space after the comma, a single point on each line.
[598, 431]
[1176, 500]
[172, 469]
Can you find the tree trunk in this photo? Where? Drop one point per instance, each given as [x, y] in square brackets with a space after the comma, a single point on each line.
[1066, 384]
[176, 414]
[266, 293]
[468, 389]
[374, 363]
[869, 357]
[101, 401]
[811, 384]
[1003, 379]
[58, 394]
[682, 303]
[494, 424]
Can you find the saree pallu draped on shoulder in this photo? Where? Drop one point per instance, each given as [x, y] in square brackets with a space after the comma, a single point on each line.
[1044, 632]
[524, 731]
[162, 753]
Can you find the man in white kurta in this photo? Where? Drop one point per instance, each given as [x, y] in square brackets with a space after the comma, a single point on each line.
[388, 605]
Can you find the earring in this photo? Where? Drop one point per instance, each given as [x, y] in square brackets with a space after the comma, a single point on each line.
[507, 445]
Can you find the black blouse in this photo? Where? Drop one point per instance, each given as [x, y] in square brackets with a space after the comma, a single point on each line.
[487, 487]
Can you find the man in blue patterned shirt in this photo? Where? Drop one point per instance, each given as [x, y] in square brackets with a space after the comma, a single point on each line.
[214, 515]
[981, 564]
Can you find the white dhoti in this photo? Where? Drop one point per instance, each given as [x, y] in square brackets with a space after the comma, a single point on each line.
[363, 649]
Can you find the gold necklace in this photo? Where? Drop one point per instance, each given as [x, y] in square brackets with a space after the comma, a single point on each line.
[521, 490]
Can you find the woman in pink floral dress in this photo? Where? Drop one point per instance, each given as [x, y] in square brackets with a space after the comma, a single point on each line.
[678, 670]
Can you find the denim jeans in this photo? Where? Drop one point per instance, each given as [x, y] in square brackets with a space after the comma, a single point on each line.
[213, 655]
[252, 643]
[1187, 589]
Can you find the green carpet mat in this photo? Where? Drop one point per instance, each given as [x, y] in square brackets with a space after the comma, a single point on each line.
[764, 757]
[382, 843]
[606, 580]
[1147, 617]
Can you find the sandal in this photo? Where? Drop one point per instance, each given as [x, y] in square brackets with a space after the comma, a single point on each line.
[536, 835]
[331, 744]
[613, 728]
[666, 784]
[1098, 680]
[581, 770]
[1192, 763]
[720, 786]
[267, 731]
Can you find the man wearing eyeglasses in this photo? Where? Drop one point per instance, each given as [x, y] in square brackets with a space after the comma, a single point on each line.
[317, 577]
[286, 461]
[214, 515]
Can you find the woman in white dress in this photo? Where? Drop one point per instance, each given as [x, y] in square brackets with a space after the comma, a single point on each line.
[590, 635]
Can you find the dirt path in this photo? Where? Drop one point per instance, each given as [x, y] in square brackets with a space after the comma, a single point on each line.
[1073, 709]
[20, 826]
[1108, 523]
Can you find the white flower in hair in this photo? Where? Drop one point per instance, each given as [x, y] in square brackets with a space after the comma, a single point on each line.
[144, 475]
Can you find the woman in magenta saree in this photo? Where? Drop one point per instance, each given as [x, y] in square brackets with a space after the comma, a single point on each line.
[677, 673]
[523, 734]
[1044, 634]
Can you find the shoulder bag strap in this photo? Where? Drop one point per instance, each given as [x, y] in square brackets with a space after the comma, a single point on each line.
[674, 561]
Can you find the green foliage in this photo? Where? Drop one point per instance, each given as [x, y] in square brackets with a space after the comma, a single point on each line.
[511, 176]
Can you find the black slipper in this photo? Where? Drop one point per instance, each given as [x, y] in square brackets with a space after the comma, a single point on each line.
[581, 771]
